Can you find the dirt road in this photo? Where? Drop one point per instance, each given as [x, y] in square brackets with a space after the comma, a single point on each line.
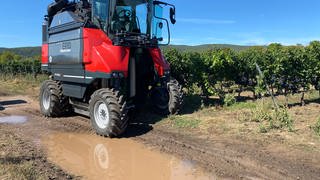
[184, 155]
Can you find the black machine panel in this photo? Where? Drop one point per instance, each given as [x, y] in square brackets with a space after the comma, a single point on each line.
[65, 53]
[66, 47]
[65, 40]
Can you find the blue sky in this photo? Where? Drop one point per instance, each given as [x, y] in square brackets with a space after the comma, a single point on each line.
[243, 22]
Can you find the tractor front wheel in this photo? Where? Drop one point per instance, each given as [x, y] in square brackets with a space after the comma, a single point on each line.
[52, 101]
[108, 113]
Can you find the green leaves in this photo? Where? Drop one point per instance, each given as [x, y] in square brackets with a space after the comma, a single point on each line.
[287, 69]
[13, 64]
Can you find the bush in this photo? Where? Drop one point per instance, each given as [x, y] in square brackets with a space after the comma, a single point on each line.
[261, 114]
[271, 118]
[229, 99]
[316, 127]
[282, 119]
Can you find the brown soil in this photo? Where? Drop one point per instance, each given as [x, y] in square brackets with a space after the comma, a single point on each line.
[227, 157]
[19, 159]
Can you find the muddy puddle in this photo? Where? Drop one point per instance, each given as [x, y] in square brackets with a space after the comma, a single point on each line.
[13, 119]
[94, 157]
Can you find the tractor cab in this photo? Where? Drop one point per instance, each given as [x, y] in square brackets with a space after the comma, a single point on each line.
[133, 22]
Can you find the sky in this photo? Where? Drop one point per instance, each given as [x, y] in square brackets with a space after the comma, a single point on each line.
[241, 22]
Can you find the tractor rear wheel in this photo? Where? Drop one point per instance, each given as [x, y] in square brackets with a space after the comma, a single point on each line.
[167, 100]
[108, 112]
[52, 101]
[176, 96]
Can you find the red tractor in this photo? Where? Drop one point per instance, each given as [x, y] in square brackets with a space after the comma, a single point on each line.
[104, 60]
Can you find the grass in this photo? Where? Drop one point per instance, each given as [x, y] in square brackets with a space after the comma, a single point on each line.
[15, 161]
[25, 170]
[269, 118]
[242, 105]
[184, 122]
[259, 114]
[21, 84]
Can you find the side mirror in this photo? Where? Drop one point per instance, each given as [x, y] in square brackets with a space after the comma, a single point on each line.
[173, 16]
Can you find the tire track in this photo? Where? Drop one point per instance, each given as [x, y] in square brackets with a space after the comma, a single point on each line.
[227, 158]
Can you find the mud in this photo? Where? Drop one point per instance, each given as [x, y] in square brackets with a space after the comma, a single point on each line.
[16, 153]
[85, 154]
[99, 158]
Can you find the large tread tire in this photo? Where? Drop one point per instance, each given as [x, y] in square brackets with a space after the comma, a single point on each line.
[168, 105]
[176, 96]
[57, 104]
[117, 112]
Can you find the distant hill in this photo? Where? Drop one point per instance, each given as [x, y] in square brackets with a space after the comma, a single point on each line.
[34, 51]
[24, 51]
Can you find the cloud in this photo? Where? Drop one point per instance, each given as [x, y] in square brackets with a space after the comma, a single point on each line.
[253, 41]
[299, 40]
[283, 41]
[205, 21]
[250, 39]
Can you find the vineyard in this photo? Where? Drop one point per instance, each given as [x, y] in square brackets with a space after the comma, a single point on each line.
[220, 116]
[13, 65]
[223, 72]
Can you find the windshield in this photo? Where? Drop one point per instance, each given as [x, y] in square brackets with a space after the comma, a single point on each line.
[157, 23]
[130, 16]
[100, 13]
[160, 25]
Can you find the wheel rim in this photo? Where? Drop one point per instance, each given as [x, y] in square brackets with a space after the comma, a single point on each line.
[46, 99]
[101, 114]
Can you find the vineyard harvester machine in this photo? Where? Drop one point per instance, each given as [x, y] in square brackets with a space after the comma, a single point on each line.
[104, 61]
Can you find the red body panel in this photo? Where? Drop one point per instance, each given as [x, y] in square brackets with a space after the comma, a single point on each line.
[100, 55]
[45, 54]
[160, 63]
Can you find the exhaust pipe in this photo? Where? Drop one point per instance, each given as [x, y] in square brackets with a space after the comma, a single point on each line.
[132, 76]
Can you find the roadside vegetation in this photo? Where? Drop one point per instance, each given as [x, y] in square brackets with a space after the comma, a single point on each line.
[316, 127]
[286, 70]
[230, 80]
[21, 84]
[20, 75]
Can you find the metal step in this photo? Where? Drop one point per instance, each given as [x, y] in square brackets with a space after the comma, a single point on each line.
[82, 112]
[80, 107]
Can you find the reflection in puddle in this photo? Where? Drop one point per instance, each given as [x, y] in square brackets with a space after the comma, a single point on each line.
[13, 119]
[100, 158]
